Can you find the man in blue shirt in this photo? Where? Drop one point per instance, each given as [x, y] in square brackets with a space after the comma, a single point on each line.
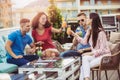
[80, 30]
[16, 43]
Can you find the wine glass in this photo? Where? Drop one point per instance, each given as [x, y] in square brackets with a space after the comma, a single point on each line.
[64, 25]
[68, 31]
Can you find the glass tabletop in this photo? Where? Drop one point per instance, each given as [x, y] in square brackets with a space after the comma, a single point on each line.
[55, 63]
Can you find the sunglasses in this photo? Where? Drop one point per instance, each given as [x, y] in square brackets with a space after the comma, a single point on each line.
[82, 20]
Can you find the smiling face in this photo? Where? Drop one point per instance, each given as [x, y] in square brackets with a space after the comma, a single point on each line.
[26, 27]
[42, 20]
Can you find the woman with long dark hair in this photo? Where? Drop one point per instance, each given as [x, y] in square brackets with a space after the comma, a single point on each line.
[96, 37]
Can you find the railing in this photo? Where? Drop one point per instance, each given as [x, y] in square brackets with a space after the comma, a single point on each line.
[6, 31]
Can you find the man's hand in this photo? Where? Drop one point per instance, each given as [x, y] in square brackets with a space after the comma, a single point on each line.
[30, 50]
[80, 51]
[18, 57]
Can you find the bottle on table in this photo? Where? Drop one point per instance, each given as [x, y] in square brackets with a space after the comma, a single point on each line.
[39, 50]
[68, 31]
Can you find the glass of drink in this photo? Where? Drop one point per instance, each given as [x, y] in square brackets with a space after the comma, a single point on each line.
[68, 31]
[64, 25]
[79, 31]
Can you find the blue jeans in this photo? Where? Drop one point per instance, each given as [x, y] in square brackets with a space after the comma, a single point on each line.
[70, 53]
[22, 61]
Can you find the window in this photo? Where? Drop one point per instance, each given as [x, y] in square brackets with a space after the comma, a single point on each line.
[74, 4]
[109, 20]
[99, 3]
[109, 2]
[59, 4]
[86, 3]
[69, 4]
[74, 14]
[63, 4]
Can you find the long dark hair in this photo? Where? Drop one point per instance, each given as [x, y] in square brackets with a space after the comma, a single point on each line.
[35, 21]
[96, 27]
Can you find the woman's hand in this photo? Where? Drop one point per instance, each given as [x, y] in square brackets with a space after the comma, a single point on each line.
[97, 54]
[39, 42]
[74, 34]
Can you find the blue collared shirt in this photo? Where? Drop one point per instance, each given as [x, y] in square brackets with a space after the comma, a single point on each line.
[81, 46]
[18, 42]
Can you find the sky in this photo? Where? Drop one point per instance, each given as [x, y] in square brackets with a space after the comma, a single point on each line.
[20, 3]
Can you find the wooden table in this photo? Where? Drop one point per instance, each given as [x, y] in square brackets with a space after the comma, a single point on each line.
[67, 69]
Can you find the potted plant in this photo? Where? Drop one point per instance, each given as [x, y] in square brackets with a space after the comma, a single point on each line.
[55, 18]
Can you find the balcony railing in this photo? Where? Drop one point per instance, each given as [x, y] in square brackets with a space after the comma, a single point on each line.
[104, 7]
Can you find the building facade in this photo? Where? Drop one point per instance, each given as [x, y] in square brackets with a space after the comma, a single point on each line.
[5, 13]
[29, 11]
[70, 8]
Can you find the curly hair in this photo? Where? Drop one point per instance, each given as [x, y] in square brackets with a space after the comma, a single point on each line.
[35, 21]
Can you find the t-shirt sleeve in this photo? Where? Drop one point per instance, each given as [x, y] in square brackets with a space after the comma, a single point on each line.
[29, 40]
[12, 36]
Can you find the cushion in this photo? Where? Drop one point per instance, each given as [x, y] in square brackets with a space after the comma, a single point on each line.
[5, 76]
[114, 36]
[114, 47]
[7, 68]
[5, 38]
[2, 50]
[1, 61]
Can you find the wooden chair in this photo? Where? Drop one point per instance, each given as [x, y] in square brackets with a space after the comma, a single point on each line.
[58, 46]
[107, 63]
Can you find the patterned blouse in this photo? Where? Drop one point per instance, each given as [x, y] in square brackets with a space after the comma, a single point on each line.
[101, 47]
